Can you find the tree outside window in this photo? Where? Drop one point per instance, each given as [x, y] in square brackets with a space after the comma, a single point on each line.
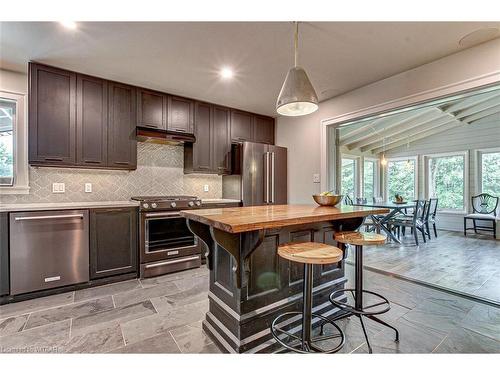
[401, 178]
[7, 118]
[490, 173]
[446, 181]
[369, 170]
[348, 180]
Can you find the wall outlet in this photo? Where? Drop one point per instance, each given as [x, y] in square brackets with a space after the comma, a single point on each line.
[205, 188]
[316, 178]
[58, 187]
[88, 187]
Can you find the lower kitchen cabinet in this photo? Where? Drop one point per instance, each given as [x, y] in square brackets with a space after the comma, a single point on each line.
[113, 241]
[4, 254]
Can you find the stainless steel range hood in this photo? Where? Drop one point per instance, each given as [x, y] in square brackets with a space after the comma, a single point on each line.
[150, 135]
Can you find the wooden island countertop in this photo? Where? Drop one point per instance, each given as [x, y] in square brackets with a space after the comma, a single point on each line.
[245, 219]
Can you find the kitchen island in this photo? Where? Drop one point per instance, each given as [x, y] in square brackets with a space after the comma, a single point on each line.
[249, 284]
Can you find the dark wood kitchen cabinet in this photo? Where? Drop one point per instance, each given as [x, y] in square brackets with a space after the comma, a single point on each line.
[241, 126]
[122, 143]
[151, 109]
[180, 115]
[52, 116]
[91, 121]
[198, 155]
[263, 129]
[221, 130]
[113, 241]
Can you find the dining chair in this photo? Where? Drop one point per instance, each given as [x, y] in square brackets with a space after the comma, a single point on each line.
[416, 222]
[433, 204]
[348, 200]
[484, 208]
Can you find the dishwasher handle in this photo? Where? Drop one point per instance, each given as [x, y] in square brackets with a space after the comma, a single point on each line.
[46, 217]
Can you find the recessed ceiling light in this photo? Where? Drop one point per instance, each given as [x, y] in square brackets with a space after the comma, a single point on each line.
[226, 73]
[68, 24]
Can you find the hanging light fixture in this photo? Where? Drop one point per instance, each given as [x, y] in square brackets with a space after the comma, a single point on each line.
[384, 160]
[297, 96]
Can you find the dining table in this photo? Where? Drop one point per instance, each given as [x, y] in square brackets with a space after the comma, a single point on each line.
[381, 221]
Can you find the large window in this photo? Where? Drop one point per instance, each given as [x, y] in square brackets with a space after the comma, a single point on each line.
[401, 178]
[490, 173]
[370, 171]
[349, 172]
[446, 179]
[7, 126]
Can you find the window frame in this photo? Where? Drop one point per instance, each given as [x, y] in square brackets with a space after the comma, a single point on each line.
[376, 176]
[20, 146]
[357, 172]
[479, 166]
[415, 174]
[465, 154]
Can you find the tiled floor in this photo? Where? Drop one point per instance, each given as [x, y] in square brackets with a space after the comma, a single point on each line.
[467, 264]
[164, 314]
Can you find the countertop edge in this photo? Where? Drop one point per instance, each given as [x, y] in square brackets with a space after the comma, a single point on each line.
[18, 207]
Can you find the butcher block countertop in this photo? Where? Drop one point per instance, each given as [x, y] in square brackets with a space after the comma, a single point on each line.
[245, 219]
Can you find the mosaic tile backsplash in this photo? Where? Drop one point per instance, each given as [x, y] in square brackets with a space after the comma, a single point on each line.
[159, 172]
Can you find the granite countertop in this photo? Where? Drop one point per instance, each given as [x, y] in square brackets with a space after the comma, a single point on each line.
[244, 219]
[64, 205]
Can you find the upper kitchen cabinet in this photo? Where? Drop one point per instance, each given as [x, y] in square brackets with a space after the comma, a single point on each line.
[263, 129]
[221, 152]
[122, 144]
[52, 116]
[198, 155]
[241, 126]
[91, 121]
[151, 109]
[180, 115]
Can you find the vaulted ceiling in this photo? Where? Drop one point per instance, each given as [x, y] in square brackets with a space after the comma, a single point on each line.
[183, 58]
[390, 132]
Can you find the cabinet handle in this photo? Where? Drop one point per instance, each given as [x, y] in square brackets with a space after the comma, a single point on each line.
[53, 159]
[80, 216]
[92, 161]
[121, 162]
[179, 130]
[172, 262]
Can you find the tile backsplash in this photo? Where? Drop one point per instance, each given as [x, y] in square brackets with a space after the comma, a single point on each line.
[159, 172]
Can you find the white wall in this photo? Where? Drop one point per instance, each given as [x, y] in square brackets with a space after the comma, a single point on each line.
[483, 134]
[13, 82]
[461, 71]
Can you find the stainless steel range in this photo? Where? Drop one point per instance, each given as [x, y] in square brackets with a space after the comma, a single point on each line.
[166, 243]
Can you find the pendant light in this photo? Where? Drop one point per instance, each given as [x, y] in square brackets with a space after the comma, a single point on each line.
[297, 96]
[384, 160]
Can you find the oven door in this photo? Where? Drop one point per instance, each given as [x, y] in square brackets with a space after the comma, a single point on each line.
[165, 235]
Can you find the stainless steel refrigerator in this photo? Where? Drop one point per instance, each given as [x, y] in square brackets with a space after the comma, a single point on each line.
[259, 174]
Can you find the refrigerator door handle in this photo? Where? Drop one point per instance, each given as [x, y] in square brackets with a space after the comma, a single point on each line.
[273, 187]
[266, 176]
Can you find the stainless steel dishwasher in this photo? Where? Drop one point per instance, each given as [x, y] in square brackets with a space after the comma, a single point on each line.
[48, 249]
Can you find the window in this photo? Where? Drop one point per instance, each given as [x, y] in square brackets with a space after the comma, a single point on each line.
[349, 171]
[401, 178]
[446, 177]
[13, 145]
[490, 173]
[7, 119]
[370, 178]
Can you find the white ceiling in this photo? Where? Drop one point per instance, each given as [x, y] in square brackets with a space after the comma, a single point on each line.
[183, 58]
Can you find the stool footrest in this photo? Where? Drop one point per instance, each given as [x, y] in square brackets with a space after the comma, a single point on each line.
[305, 347]
[365, 310]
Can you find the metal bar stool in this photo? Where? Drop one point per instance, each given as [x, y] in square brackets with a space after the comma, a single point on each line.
[358, 239]
[307, 253]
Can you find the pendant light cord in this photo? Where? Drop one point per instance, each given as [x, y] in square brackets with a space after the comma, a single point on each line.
[296, 43]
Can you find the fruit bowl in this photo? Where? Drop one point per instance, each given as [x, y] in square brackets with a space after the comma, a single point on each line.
[327, 200]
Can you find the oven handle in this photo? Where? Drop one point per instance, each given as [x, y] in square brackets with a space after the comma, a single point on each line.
[172, 261]
[162, 214]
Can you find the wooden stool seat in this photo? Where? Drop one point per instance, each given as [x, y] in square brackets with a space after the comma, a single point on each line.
[310, 253]
[360, 238]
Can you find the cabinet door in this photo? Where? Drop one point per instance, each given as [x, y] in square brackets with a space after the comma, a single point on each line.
[202, 150]
[151, 109]
[263, 129]
[4, 254]
[221, 140]
[122, 144]
[113, 241]
[241, 126]
[180, 114]
[91, 121]
[52, 125]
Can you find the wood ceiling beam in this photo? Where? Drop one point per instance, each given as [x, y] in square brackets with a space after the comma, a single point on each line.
[409, 136]
[474, 100]
[480, 115]
[490, 103]
[422, 119]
